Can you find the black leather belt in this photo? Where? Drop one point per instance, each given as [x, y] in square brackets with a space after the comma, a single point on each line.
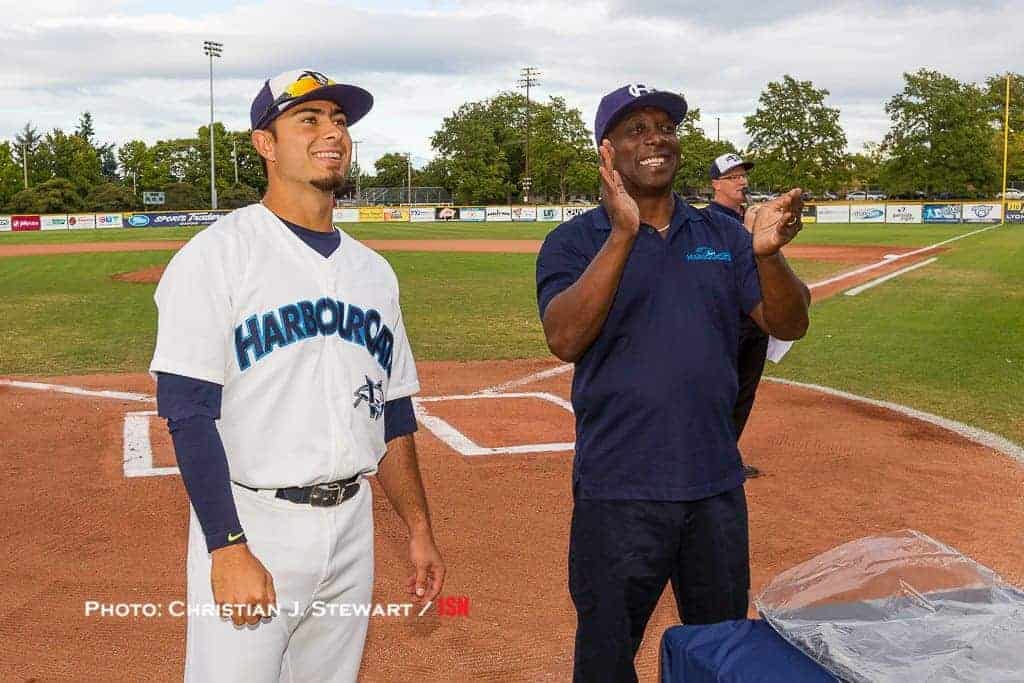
[317, 495]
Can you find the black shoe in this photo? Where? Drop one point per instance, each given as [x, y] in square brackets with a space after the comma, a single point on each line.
[751, 472]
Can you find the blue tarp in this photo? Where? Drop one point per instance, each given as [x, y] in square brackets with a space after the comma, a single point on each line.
[735, 652]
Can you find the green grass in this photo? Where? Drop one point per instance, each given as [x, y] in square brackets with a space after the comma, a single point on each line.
[104, 235]
[946, 338]
[880, 233]
[811, 270]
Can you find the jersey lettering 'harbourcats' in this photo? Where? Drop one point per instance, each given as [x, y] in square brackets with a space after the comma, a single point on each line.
[262, 333]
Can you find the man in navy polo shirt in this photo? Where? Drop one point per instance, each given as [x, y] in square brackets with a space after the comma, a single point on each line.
[644, 294]
[729, 179]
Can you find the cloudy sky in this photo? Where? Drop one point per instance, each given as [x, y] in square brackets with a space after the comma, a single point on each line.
[138, 65]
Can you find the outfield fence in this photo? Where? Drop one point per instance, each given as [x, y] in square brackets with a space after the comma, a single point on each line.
[900, 213]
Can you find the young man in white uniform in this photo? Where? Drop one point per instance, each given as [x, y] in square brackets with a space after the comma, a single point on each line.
[285, 374]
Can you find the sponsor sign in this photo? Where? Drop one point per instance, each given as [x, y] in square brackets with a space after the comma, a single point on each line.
[447, 213]
[983, 213]
[421, 214]
[867, 213]
[834, 213]
[941, 213]
[573, 211]
[172, 220]
[396, 214]
[524, 213]
[153, 198]
[473, 214]
[24, 223]
[5, 223]
[549, 213]
[903, 213]
[809, 214]
[1015, 212]
[346, 215]
[501, 214]
[53, 222]
[82, 221]
[371, 214]
[109, 220]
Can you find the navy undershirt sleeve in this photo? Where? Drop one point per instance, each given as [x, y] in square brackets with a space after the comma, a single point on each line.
[399, 418]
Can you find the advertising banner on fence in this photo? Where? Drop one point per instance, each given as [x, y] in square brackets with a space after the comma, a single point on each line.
[573, 211]
[983, 213]
[902, 213]
[549, 213]
[809, 214]
[82, 221]
[1015, 212]
[941, 213]
[5, 223]
[500, 214]
[24, 223]
[524, 213]
[345, 215]
[395, 214]
[371, 214]
[53, 221]
[172, 220]
[422, 214]
[109, 220]
[834, 213]
[446, 213]
[867, 213]
[474, 214]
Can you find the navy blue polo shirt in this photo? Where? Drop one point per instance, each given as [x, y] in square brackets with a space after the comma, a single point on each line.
[724, 210]
[654, 393]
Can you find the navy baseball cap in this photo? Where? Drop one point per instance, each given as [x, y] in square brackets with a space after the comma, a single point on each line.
[293, 87]
[727, 162]
[616, 103]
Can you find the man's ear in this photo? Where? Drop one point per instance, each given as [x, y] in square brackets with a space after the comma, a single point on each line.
[263, 141]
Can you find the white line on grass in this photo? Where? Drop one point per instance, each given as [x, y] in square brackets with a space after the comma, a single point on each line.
[978, 436]
[889, 258]
[885, 278]
[78, 391]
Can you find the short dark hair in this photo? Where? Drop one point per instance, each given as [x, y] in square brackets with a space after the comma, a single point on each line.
[270, 128]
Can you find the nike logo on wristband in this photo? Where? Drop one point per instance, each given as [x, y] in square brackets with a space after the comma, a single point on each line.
[234, 537]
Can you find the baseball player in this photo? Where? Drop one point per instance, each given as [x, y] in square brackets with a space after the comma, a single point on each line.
[644, 294]
[285, 374]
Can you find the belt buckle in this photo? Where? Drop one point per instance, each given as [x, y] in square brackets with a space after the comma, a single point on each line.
[325, 495]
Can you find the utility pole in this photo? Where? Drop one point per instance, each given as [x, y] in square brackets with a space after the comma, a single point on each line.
[24, 162]
[212, 49]
[234, 155]
[359, 170]
[408, 165]
[718, 129]
[528, 76]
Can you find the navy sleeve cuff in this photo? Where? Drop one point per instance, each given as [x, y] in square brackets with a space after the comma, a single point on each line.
[399, 418]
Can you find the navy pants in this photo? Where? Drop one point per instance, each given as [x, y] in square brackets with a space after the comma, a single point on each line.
[749, 367]
[623, 552]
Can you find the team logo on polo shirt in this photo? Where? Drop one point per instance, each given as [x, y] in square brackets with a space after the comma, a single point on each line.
[373, 393]
[708, 254]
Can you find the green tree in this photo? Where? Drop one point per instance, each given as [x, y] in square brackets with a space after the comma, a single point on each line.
[250, 167]
[85, 129]
[995, 95]
[237, 196]
[111, 197]
[795, 138]
[392, 170]
[864, 169]
[941, 137]
[73, 158]
[563, 157]
[11, 181]
[696, 152]
[470, 143]
[56, 195]
[27, 145]
[133, 158]
[182, 196]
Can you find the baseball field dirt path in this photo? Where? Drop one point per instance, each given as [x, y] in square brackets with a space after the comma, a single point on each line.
[77, 529]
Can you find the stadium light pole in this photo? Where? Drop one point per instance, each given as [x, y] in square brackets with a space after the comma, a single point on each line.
[1006, 145]
[408, 165]
[528, 76]
[212, 49]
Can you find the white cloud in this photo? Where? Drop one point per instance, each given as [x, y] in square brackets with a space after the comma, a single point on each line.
[143, 75]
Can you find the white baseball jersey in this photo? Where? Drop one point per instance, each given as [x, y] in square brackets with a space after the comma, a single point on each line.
[307, 348]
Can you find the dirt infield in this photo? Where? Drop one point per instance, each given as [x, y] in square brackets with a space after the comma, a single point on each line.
[77, 529]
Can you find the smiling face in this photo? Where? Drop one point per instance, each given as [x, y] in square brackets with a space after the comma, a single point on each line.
[646, 151]
[730, 189]
[309, 144]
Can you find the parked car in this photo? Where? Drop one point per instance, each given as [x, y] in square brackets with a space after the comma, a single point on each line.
[807, 196]
[754, 197]
[858, 196]
[1011, 193]
[829, 196]
[696, 199]
[876, 195]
